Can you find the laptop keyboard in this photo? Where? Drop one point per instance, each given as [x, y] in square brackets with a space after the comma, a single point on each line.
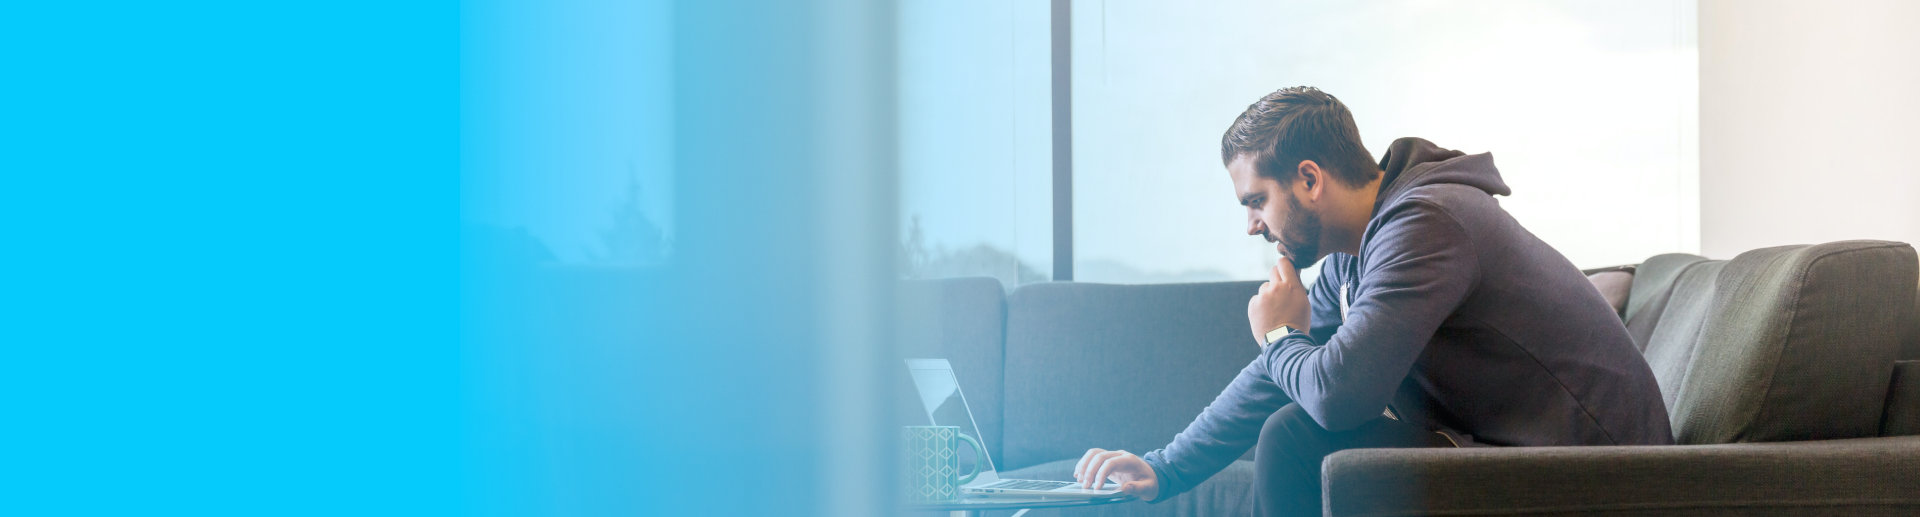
[1027, 484]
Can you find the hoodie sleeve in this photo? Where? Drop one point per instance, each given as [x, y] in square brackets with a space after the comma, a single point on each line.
[1231, 424]
[1223, 431]
[1419, 267]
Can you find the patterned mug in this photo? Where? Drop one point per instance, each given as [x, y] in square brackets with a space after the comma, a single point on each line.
[933, 463]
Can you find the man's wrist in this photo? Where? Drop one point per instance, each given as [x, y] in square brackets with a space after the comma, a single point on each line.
[1278, 333]
[1162, 487]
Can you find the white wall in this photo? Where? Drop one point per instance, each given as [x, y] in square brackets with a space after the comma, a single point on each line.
[1809, 122]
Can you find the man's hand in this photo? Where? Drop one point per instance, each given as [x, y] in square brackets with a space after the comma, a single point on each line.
[1132, 473]
[1281, 301]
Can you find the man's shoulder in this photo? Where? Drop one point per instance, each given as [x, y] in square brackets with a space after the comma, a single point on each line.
[1452, 199]
[1461, 210]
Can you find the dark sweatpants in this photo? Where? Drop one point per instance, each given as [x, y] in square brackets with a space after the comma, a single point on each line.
[1287, 457]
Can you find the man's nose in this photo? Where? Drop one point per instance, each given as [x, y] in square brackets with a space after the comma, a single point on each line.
[1254, 226]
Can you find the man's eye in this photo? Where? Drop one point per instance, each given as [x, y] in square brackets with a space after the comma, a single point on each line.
[1257, 202]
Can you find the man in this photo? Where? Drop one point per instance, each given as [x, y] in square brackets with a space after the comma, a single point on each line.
[1438, 321]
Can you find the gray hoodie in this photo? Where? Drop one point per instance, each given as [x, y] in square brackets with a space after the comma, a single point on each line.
[1453, 318]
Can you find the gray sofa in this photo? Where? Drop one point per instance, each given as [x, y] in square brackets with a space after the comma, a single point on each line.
[1791, 375]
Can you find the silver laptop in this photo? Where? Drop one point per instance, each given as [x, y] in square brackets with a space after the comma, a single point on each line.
[945, 405]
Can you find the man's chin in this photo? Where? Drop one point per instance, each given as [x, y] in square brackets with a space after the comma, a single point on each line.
[1302, 260]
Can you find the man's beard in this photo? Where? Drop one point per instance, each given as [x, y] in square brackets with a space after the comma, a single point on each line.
[1301, 237]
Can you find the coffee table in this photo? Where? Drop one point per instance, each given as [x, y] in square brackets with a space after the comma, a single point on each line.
[972, 506]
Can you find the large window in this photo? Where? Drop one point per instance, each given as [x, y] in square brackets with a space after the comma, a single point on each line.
[974, 136]
[1588, 108]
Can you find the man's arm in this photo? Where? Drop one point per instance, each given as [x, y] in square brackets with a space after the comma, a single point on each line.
[1420, 268]
[1223, 431]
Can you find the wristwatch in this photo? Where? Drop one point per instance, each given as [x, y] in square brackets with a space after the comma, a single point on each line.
[1276, 334]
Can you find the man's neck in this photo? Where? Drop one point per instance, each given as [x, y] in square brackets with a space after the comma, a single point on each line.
[1370, 197]
[1355, 219]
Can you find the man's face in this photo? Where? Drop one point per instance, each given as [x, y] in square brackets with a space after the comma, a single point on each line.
[1272, 205]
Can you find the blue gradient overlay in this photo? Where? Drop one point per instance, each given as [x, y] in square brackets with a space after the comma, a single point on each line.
[726, 364]
[433, 258]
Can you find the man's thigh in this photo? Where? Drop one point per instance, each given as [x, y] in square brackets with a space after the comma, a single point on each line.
[1387, 433]
[1293, 429]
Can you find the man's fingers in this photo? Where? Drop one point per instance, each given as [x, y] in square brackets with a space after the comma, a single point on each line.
[1087, 481]
[1093, 465]
[1273, 275]
[1285, 270]
[1080, 469]
[1106, 469]
[1096, 471]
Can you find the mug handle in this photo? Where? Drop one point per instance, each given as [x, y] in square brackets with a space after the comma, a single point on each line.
[979, 457]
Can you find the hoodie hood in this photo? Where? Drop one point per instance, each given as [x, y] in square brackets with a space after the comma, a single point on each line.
[1415, 162]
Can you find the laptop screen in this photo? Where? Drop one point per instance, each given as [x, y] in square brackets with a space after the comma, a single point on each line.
[945, 405]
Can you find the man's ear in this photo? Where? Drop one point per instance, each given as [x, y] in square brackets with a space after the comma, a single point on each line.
[1310, 178]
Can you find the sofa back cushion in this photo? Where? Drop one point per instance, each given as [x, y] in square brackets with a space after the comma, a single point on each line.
[1912, 351]
[1653, 283]
[1117, 366]
[961, 320]
[1787, 343]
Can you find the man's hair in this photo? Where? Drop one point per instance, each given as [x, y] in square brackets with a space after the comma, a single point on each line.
[1294, 124]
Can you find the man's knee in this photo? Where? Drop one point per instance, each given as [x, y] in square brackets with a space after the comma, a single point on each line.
[1287, 432]
[1290, 422]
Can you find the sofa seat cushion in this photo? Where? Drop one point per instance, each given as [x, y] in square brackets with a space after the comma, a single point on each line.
[1853, 477]
[1225, 493]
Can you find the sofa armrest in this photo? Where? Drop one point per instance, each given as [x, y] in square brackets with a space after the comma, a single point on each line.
[1863, 476]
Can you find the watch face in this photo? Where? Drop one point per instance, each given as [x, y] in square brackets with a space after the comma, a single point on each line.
[1275, 334]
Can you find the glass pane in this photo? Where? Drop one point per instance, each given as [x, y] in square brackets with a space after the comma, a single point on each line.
[975, 140]
[1588, 108]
